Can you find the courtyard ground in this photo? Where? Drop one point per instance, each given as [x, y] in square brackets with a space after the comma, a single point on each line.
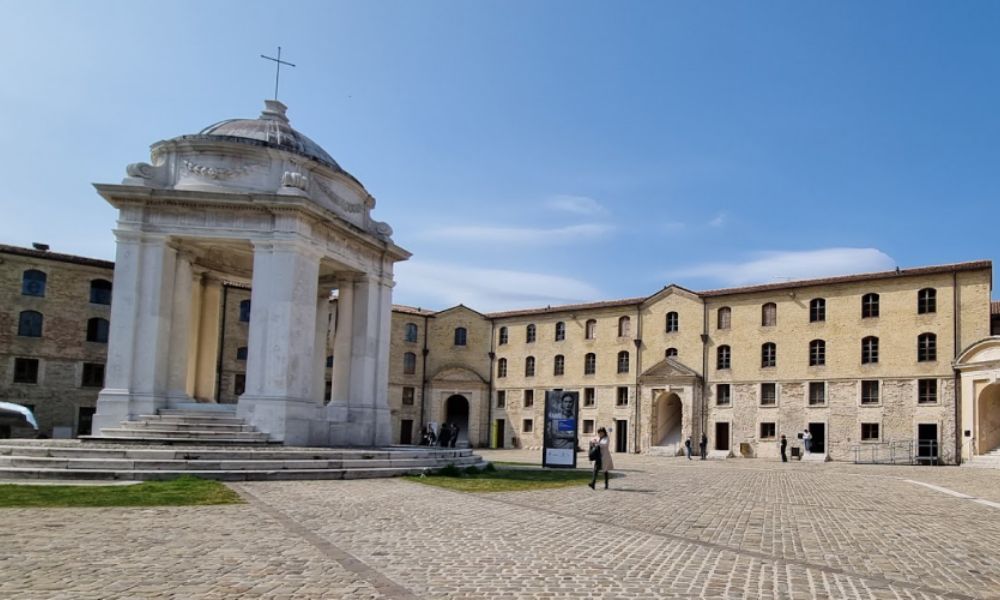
[668, 528]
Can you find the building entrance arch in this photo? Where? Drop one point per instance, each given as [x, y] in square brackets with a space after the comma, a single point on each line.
[988, 411]
[456, 410]
[667, 420]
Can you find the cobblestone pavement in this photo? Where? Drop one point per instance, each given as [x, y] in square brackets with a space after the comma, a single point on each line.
[668, 528]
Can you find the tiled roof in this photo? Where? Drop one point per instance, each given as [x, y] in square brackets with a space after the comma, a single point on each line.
[409, 310]
[786, 285]
[47, 255]
[567, 308]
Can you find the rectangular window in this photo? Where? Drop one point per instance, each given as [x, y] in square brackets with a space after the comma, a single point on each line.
[529, 398]
[239, 383]
[927, 389]
[869, 432]
[768, 394]
[588, 426]
[622, 398]
[25, 370]
[93, 375]
[501, 398]
[768, 431]
[869, 392]
[85, 419]
[589, 395]
[817, 393]
[409, 393]
[723, 394]
[527, 426]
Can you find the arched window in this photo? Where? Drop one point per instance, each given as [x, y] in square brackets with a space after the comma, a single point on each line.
[461, 336]
[97, 330]
[100, 291]
[503, 336]
[529, 366]
[241, 353]
[245, 311]
[725, 317]
[591, 329]
[768, 355]
[409, 363]
[590, 364]
[560, 331]
[623, 361]
[817, 353]
[671, 352]
[624, 327]
[673, 322]
[926, 347]
[817, 310]
[769, 314]
[30, 324]
[559, 365]
[722, 357]
[33, 283]
[869, 306]
[926, 301]
[502, 368]
[869, 350]
[411, 332]
[530, 333]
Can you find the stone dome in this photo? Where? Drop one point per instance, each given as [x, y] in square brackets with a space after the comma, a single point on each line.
[271, 129]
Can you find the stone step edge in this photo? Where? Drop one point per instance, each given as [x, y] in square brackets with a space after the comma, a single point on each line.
[270, 453]
[81, 464]
[174, 441]
[247, 475]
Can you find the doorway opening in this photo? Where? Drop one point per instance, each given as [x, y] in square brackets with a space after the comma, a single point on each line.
[500, 433]
[667, 419]
[818, 432]
[722, 436]
[406, 432]
[927, 444]
[456, 410]
[621, 435]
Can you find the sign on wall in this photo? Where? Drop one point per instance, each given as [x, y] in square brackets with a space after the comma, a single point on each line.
[559, 447]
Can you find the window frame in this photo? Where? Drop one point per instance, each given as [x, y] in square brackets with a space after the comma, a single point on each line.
[927, 347]
[461, 336]
[409, 363]
[559, 365]
[932, 393]
[673, 322]
[411, 333]
[870, 305]
[817, 353]
[98, 293]
[820, 385]
[868, 383]
[624, 362]
[817, 310]
[30, 324]
[245, 308]
[723, 354]
[768, 355]
[719, 395]
[869, 350]
[624, 326]
[769, 318]
[530, 365]
[774, 389]
[868, 438]
[530, 333]
[560, 334]
[28, 278]
[767, 438]
[621, 396]
[89, 368]
[590, 364]
[21, 370]
[589, 397]
[590, 329]
[927, 301]
[98, 330]
[727, 323]
[502, 337]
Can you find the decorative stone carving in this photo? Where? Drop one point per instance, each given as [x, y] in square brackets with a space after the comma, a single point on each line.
[218, 172]
[337, 200]
[140, 170]
[295, 180]
[382, 228]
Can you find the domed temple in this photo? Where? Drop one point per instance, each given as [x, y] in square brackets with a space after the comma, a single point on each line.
[253, 202]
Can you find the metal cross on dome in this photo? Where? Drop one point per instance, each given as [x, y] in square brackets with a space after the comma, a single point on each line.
[277, 69]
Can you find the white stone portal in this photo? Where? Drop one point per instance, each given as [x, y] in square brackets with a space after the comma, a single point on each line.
[251, 201]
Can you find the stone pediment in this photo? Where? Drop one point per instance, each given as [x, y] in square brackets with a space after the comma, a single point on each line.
[984, 352]
[457, 375]
[669, 369]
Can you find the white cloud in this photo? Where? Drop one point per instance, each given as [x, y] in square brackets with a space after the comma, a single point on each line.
[772, 267]
[441, 285]
[719, 220]
[578, 205]
[519, 235]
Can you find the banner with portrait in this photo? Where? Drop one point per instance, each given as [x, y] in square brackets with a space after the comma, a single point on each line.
[560, 443]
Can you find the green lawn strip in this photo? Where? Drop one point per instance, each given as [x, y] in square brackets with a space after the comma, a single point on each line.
[506, 480]
[184, 491]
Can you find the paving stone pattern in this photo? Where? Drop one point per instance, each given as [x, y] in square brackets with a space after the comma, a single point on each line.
[669, 528]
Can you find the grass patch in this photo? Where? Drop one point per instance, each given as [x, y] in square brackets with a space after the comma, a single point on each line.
[184, 491]
[505, 480]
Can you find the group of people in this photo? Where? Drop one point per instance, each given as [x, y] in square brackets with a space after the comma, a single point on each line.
[702, 446]
[445, 437]
[806, 437]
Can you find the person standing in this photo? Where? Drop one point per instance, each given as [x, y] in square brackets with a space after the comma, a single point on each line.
[704, 446]
[453, 434]
[784, 446]
[687, 447]
[807, 441]
[603, 461]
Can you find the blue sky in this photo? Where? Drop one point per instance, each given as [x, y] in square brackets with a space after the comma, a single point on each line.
[533, 153]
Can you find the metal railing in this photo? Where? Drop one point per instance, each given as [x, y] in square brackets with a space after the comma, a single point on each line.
[901, 452]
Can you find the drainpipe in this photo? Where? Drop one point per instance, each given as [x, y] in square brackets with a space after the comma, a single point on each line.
[489, 391]
[956, 323]
[704, 368]
[423, 379]
[222, 340]
[638, 370]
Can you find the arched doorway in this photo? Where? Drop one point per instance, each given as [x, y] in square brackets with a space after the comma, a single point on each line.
[988, 409]
[667, 420]
[456, 410]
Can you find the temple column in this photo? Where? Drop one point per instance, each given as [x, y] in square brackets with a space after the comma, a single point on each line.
[139, 336]
[368, 405]
[209, 323]
[319, 349]
[340, 394]
[180, 333]
[278, 397]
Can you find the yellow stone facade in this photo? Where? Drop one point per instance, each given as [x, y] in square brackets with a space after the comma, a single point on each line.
[650, 402]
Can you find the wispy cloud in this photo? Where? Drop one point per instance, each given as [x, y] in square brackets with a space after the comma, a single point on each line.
[719, 220]
[770, 267]
[519, 235]
[578, 205]
[440, 285]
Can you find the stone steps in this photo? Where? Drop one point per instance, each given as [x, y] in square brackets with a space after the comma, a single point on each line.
[210, 425]
[988, 461]
[65, 460]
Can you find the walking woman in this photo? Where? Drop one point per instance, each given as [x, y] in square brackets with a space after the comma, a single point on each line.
[603, 461]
